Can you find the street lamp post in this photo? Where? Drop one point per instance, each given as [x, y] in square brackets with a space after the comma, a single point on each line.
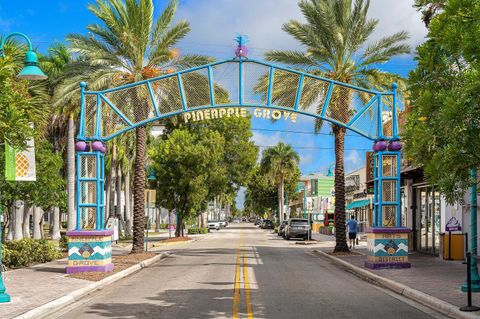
[30, 71]
[475, 278]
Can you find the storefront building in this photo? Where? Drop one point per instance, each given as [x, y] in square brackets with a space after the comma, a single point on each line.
[317, 202]
[358, 201]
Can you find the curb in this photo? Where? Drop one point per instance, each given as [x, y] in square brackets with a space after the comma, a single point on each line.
[75, 295]
[159, 244]
[410, 293]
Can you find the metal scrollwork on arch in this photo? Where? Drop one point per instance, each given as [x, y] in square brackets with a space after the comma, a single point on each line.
[237, 83]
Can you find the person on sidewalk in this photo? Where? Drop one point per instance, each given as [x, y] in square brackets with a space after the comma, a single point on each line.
[352, 231]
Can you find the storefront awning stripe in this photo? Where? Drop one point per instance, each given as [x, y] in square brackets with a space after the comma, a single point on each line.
[357, 204]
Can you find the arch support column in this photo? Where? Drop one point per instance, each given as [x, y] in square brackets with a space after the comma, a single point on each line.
[90, 244]
[387, 240]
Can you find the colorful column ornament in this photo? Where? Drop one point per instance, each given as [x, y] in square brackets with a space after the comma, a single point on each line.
[387, 240]
[90, 245]
[89, 250]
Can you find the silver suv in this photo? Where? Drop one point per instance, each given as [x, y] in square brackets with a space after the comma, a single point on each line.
[297, 228]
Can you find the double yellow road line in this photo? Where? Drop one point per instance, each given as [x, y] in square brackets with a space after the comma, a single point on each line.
[246, 284]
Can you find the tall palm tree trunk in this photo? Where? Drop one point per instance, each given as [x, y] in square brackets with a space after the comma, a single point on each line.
[340, 229]
[119, 208]
[281, 199]
[55, 223]
[71, 174]
[113, 177]
[108, 186]
[27, 211]
[139, 190]
[128, 211]
[37, 222]
[18, 212]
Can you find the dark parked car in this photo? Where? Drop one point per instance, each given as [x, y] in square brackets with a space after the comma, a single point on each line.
[267, 224]
[298, 228]
[281, 228]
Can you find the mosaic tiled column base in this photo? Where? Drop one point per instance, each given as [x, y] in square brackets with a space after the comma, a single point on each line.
[89, 251]
[387, 248]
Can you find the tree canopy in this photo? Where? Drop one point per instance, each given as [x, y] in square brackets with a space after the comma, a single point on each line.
[196, 162]
[443, 128]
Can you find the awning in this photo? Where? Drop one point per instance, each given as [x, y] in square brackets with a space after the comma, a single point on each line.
[357, 204]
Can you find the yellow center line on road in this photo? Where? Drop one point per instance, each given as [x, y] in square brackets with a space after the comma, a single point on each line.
[241, 258]
[247, 289]
[236, 291]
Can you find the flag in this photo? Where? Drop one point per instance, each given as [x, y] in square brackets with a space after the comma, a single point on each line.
[20, 165]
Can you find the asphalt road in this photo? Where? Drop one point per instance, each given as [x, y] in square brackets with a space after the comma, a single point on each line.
[244, 272]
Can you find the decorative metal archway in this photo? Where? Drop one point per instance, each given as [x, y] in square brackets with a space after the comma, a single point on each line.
[216, 90]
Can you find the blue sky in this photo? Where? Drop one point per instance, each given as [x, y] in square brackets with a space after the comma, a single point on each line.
[214, 24]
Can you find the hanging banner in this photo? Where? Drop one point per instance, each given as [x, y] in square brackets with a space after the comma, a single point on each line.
[20, 165]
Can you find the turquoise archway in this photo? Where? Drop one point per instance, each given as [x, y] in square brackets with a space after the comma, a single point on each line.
[237, 83]
[216, 88]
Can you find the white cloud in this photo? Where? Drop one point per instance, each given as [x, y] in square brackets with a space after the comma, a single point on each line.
[215, 23]
[267, 139]
[353, 161]
[395, 16]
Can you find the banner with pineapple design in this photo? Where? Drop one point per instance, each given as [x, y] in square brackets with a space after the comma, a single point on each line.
[20, 165]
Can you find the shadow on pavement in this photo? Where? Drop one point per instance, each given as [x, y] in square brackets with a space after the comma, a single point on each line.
[191, 303]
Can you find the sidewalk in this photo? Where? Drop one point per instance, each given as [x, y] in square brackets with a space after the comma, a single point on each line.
[429, 274]
[35, 286]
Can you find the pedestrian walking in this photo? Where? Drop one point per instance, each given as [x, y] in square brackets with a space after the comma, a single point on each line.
[352, 231]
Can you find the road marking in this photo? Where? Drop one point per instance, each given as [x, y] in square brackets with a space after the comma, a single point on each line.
[247, 289]
[236, 289]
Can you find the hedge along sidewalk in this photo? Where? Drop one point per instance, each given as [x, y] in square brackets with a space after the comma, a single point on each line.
[420, 277]
[42, 289]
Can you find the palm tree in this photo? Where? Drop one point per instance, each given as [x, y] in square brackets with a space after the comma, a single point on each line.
[130, 46]
[55, 65]
[335, 35]
[280, 163]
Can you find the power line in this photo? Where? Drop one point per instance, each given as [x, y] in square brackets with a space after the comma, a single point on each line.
[299, 132]
[317, 148]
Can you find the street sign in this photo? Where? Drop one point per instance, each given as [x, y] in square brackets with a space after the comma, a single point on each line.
[453, 225]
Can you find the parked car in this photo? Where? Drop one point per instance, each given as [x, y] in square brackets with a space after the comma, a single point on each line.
[223, 223]
[267, 224]
[244, 219]
[251, 219]
[214, 224]
[281, 228]
[236, 220]
[258, 222]
[297, 228]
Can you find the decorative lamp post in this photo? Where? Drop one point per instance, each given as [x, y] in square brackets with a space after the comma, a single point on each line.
[30, 71]
[474, 278]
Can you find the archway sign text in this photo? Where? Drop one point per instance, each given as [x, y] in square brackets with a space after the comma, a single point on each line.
[210, 114]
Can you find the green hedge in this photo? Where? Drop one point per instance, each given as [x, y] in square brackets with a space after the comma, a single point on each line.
[25, 252]
[195, 230]
[63, 243]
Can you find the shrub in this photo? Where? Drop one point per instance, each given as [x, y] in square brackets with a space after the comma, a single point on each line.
[163, 226]
[63, 243]
[25, 252]
[196, 230]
